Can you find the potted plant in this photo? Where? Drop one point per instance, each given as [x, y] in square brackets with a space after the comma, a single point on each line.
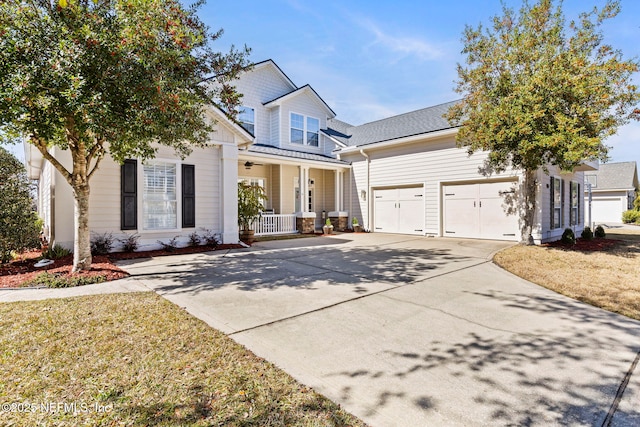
[356, 225]
[328, 228]
[251, 200]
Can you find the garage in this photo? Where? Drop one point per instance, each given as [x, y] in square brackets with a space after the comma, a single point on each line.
[605, 211]
[399, 210]
[478, 211]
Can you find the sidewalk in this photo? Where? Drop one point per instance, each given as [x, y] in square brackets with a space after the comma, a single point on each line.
[128, 284]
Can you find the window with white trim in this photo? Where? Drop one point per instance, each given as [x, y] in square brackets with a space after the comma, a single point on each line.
[313, 131]
[160, 196]
[305, 130]
[557, 199]
[247, 118]
[575, 203]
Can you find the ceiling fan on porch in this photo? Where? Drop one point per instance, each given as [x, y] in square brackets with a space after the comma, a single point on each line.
[249, 165]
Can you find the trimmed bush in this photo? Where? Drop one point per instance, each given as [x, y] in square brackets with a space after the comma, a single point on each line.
[53, 280]
[101, 244]
[130, 243]
[194, 239]
[568, 237]
[631, 216]
[171, 245]
[56, 252]
[587, 234]
[599, 232]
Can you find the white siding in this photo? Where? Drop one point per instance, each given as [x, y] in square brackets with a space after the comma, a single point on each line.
[44, 198]
[302, 104]
[426, 163]
[258, 86]
[543, 217]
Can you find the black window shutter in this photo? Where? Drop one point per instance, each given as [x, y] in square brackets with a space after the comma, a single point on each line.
[188, 196]
[552, 204]
[129, 195]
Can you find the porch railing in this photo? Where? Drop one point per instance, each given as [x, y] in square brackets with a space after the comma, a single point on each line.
[275, 224]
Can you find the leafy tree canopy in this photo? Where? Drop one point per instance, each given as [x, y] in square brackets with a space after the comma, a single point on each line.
[109, 76]
[539, 93]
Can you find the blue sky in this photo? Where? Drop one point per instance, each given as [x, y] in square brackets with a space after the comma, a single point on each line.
[373, 59]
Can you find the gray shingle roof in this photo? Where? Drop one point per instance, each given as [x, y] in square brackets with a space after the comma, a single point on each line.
[417, 122]
[268, 149]
[623, 175]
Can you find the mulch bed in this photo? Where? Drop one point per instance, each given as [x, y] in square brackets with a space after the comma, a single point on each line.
[585, 245]
[22, 269]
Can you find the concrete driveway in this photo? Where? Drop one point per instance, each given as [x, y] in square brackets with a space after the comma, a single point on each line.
[408, 331]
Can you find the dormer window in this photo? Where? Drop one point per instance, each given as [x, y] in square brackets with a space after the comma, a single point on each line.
[247, 118]
[305, 130]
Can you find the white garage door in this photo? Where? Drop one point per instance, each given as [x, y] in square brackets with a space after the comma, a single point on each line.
[606, 211]
[478, 211]
[399, 210]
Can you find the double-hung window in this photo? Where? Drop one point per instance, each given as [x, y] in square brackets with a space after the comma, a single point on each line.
[305, 130]
[575, 203]
[557, 199]
[247, 119]
[297, 128]
[313, 130]
[160, 196]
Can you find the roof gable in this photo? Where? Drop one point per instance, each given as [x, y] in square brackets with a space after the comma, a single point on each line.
[306, 90]
[278, 70]
[618, 176]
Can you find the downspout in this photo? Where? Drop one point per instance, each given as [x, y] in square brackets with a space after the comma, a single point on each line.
[366, 156]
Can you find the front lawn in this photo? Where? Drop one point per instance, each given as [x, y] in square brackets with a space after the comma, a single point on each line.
[136, 359]
[608, 278]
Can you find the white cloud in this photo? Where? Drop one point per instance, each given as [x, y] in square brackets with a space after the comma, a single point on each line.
[400, 45]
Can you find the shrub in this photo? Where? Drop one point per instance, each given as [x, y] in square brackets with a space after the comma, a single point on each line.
[19, 224]
[171, 245]
[194, 239]
[209, 238]
[130, 243]
[101, 244]
[328, 222]
[599, 232]
[56, 280]
[630, 216]
[56, 252]
[587, 234]
[568, 237]
[354, 221]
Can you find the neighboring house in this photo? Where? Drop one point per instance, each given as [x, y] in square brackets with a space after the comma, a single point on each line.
[613, 190]
[403, 174]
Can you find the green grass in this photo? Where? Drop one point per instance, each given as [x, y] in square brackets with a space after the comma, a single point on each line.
[144, 361]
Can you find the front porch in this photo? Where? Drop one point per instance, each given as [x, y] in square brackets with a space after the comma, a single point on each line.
[300, 195]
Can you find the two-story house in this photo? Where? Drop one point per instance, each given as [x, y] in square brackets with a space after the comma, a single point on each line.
[403, 174]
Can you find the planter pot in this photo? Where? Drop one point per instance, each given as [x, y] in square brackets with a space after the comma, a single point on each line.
[357, 228]
[327, 229]
[247, 236]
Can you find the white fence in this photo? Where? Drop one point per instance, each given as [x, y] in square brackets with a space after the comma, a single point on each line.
[275, 224]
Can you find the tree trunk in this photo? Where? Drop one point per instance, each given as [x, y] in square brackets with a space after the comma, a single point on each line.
[529, 211]
[82, 239]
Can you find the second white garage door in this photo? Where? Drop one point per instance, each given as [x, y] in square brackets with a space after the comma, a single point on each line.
[606, 210]
[478, 211]
[399, 210]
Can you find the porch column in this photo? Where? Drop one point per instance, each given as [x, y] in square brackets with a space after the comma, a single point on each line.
[229, 193]
[304, 188]
[338, 190]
